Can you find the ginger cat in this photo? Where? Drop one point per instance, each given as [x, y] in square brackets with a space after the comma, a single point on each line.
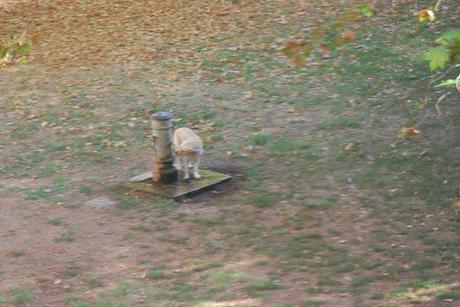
[188, 148]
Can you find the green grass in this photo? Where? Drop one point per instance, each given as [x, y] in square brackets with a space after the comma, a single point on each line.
[16, 253]
[448, 296]
[95, 283]
[118, 297]
[20, 296]
[127, 201]
[257, 284]
[259, 139]
[361, 281]
[70, 272]
[341, 123]
[48, 170]
[55, 221]
[164, 205]
[86, 190]
[65, 237]
[157, 273]
[314, 303]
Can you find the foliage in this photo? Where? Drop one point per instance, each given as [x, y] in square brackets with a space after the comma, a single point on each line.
[326, 36]
[426, 15]
[448, 50]
[448, 82]
[15, 49]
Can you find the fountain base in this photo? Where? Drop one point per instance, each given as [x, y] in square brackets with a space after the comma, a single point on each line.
[180, 188]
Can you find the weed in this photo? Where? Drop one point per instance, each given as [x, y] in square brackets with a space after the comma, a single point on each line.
[20, 296]
[313, 303]
[165, 205]
[257, 284]
[143, 261]
[156, 273]
[362, 280]
[86, 190]
[95, 283]
[117, 297]
[41, 192]
[65, 237]
[127, 201]
[76, 301]
[424, 264]
[142, 228]
[343, 123]
[263, 201]
[55, 221]
[48, 170]
[448, 296]
[16, 253]
[259, 139]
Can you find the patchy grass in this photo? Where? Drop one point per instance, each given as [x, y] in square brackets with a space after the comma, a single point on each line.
[19, 296]
[328, 204]
[55, 221]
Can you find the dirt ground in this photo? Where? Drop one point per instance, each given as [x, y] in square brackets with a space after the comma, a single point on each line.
[327, 206]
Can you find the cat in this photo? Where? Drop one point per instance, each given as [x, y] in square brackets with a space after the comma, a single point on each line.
[188, 148]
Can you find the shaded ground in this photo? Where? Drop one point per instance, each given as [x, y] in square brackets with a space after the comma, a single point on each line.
[328, 207]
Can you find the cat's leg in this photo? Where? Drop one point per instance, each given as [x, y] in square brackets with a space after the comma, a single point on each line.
[196, 165]
[176, 163]
[184, 166]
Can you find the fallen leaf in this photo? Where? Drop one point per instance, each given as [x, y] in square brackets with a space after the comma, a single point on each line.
[426, 15]
[349, 36]
[411, 131]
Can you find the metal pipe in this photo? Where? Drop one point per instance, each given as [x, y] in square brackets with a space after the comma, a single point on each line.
[163, 170]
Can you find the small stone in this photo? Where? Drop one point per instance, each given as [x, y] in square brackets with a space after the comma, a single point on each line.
[100, 202]
[57, 281]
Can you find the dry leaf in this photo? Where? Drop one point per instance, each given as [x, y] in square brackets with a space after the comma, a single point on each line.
[349, 36]
[411, 131]
[425, 15]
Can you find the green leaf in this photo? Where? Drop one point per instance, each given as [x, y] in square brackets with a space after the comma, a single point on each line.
[3, 51]
[365, 10]
[446, 83]
[438, 57]
[25, 49]
[448, 38]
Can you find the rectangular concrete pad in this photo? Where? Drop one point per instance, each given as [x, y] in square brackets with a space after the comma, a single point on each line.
[182, 188]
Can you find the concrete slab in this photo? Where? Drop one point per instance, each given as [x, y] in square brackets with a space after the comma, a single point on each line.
[181, 188]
